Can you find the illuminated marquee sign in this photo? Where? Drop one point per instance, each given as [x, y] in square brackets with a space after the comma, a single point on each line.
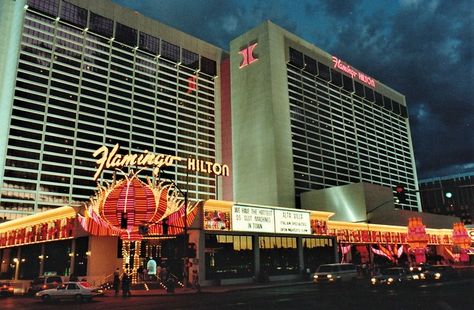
[110, 159]
[353, 73]
[247, 218]
[292, 222]
[42, 232]
[247, 55]
[268, 220]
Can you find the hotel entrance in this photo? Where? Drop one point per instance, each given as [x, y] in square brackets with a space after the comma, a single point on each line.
[154, 259]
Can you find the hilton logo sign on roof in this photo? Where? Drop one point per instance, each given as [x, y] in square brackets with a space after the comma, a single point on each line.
[339, 64]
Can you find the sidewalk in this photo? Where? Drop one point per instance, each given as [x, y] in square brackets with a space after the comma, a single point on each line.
[207, 289]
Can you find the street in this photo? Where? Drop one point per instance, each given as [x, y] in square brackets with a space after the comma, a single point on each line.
[442, 295]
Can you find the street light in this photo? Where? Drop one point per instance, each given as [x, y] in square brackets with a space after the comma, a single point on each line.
[185, 243]
[17, 268]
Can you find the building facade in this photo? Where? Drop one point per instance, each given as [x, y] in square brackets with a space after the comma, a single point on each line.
[77, 75]
[305, 120]
[449, 195]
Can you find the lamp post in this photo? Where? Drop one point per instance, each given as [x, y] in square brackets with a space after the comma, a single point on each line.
[185, 242]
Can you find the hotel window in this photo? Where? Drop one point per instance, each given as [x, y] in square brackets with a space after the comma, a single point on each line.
[169, 51]
[50, 7]
[125, 34]
[278, 255]
[74, 14]
[296, 58]
[101, 25]
[190, 59]
[228, 256]
[208, 66]
[323, 71]
[149, 43]
[311, 65]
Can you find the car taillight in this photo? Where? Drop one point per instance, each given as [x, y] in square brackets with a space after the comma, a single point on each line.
[10, 288]
[44, 286]
[4, 286]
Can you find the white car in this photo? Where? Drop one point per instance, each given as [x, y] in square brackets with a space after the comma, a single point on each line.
[335, 273]
[77, 291]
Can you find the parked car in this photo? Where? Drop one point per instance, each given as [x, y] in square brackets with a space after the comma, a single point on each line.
[335, 273]
[77, 291]
[43, 283]
[440, 272]
[6, 289]
[391, 276]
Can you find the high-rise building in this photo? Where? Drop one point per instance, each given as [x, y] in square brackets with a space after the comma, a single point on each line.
[76, 75]
[303, 120]
[449, 195]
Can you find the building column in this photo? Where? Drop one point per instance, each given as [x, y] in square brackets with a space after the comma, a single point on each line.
[73, 257]
[256, 256]
[299, 245]
[336, 249]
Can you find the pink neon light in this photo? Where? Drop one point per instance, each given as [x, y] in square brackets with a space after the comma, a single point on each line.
[191, 84]
[339, 64]
[247, 55]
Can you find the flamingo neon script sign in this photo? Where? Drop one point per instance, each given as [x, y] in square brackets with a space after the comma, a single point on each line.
[110, 159]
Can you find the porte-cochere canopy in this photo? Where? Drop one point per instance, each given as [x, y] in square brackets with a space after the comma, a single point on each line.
[128, 207]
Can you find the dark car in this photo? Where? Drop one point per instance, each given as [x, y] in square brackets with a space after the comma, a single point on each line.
[6, 289]
[440, 272]
[43, 283]
[390, 276]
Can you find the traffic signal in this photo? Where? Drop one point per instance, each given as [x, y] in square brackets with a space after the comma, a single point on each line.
[191, 250]
[400, 194]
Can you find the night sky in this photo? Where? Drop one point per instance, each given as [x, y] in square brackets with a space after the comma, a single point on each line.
[422, 49]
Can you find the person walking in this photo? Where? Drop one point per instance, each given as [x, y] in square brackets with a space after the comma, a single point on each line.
[116, 281]
[126, 285]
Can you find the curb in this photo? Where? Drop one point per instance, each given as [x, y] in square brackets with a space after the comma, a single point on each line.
[211, 291]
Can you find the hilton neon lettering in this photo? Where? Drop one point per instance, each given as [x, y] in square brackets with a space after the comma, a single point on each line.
[339, 64]
[247, 56]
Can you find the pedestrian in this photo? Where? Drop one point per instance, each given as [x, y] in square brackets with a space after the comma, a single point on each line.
[116, 281]
[145, 274]
[196, 284]
[126, 285]
[140, 273]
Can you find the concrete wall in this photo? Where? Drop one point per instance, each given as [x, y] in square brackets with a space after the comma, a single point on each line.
[348, 202]
[263, 165]
[360, 202]
[11, 24]
[104, 259]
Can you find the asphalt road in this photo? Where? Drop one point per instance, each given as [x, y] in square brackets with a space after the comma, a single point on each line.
[443, 296]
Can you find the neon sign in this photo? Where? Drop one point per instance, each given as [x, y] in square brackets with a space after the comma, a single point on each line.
[110, 159]
[247, 55]
[353, 73]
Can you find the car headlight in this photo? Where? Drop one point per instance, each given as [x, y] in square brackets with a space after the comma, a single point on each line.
[329, 276]
[373, 280]
[416, 277]
[315, 276]
[390, 280]
[437, 275]
[422, 275]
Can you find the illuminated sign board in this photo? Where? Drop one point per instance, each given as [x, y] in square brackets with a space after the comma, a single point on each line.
[470, 232]
[268, 220]
[247, 55]
[111, 159]
[292, 222]
[254, 219]
[353, 73]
